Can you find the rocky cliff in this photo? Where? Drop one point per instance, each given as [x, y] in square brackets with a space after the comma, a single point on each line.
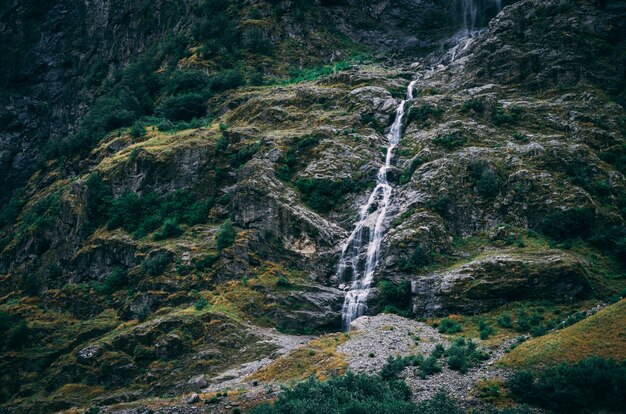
[182, 176]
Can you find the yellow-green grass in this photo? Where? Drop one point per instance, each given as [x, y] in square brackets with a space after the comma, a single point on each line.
[602, 334]
[318, 358]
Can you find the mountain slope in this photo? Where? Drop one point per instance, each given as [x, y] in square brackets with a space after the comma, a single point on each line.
[204, 197]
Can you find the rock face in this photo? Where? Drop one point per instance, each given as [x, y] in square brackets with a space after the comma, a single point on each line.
[486, 283]
[148, 260]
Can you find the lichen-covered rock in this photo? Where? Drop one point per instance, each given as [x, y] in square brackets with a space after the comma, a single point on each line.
[486, 283]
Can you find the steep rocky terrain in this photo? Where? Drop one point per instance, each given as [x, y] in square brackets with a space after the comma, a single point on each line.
[181, 178]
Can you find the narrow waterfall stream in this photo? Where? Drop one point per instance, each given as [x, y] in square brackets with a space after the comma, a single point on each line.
[361, 251]
[358, 258]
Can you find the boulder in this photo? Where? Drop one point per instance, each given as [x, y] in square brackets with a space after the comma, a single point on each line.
[499, 278]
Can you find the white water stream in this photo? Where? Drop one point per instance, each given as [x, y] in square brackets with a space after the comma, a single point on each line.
[361, 251]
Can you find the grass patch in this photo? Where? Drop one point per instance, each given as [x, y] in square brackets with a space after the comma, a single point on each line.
[319, 358]
[601, 334]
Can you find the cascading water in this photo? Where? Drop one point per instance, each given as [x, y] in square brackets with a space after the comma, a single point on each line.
[361, 259]
[473, 13]
[361, 251]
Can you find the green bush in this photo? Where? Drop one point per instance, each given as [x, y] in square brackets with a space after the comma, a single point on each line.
[591, 385]
[226, 235]
[116, 280]
[448, 326]
[463, 355]
[143, 215]
[137, 130]
[484, 179]
[418, 259]
[17, 336]
[156, 264]
[288, 162]
[421, 114]
[168, 230]
[450, 141]
[350, 393]
[523, 323]
[323, 195]
[186, 81]
[283, 282]
[221, 145]
[561, 225]
[256, 41]
[201, 304]
[505, 321]
[10, 210]
[408, 173]
[183, 107]
[501, 116]
[473, 105]
[395, 297]
[244, 155]
[144, 353]
[485, 330]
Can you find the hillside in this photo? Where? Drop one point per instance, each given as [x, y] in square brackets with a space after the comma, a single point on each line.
[205, 201]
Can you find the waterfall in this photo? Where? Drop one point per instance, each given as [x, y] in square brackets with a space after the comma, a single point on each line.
[361, 258]
[474, 14]
[360, 252]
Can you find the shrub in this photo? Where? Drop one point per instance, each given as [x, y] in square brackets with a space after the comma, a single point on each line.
[463, 355]
[226, 235]
[448, 326]
[593, 384]
[408, 173]
[137, 130]
[201, 304]
[505, 321]
[474, 105]
[523, 324]
[156, 264]
[183, 107]
[117, 279]
[226, 79]
[421, 114]
[350, 393]
[17, 337]
[142, 215]
[501, 116]
[323, 195]
[418, 259]
[187, 80]
[141, 352]
[221, 144]
[485, 329]
[10, 210]
[283, 282]
[562, 225]
[395, 297]
[169, 229]
[484, 179]
[244, 155]
[450, 141]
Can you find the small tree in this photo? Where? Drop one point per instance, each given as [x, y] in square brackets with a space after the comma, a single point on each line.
[226, 235]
